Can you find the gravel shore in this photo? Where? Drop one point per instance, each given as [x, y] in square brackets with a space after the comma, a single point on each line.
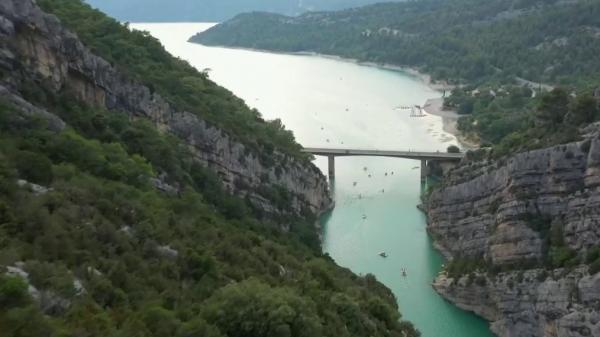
[435, 106]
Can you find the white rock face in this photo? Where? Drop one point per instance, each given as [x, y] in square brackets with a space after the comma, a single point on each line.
[167, 251]
[35, 188]
[495, 210]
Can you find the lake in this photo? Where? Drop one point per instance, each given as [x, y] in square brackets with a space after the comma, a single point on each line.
[329, 102]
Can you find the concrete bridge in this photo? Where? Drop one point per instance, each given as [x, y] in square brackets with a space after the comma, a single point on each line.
[424, 157]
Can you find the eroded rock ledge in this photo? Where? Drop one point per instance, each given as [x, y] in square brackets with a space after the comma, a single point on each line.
[502, 212]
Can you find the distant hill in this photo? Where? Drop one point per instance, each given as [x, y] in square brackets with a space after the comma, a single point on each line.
[551, 41]
[212, 10]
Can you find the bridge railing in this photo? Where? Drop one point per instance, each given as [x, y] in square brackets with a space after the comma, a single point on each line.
[383, 153]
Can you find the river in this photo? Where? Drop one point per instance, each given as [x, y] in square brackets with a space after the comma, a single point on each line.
[334, 103]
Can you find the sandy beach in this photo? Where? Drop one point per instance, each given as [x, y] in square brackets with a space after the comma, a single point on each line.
[435, 106]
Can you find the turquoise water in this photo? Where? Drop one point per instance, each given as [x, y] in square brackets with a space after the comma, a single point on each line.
[393, 225]
[334, 103]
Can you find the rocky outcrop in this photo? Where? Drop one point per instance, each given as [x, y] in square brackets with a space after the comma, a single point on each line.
[35, 47]
[27, 110]
[530, 303]
[503, 212]
[49, 301]
[34, 188]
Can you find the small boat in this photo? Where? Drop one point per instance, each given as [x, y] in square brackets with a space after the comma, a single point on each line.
[369, 176]
[403, 272]
[364, 168]
[386, 174]
[364, 217]
[383, 254]
[354, 183]
[416, 167]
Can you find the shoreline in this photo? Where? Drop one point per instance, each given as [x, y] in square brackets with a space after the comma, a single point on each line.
[425, 78]
[411, 71]
[435, 106]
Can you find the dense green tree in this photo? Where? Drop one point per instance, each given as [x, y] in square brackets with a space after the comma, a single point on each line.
[585, 110]
[253, 309]
[33, 167]
[553, 107]
[13, 292]
[453, 149]
[198, 327]
[25, 322]
[18, 316]
[160, 322]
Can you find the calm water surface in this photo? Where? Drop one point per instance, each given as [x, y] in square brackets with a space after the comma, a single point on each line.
[333, 103]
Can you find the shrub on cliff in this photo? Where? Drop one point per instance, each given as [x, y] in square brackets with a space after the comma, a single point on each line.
[460, 266]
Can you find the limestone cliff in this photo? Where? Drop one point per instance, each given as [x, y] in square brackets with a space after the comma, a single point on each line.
[35, 47]
[504, 212]
[531, 303]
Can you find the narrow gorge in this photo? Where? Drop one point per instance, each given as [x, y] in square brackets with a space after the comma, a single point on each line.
[154, 186]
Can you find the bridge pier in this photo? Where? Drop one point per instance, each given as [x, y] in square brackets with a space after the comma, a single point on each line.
[331, 166]
[424, 171]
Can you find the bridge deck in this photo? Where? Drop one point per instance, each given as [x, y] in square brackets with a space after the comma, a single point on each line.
[419, 155]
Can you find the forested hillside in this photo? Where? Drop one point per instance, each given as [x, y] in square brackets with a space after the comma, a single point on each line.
[113, 222]
[497, 52]
[211, 10]
[456, 40]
